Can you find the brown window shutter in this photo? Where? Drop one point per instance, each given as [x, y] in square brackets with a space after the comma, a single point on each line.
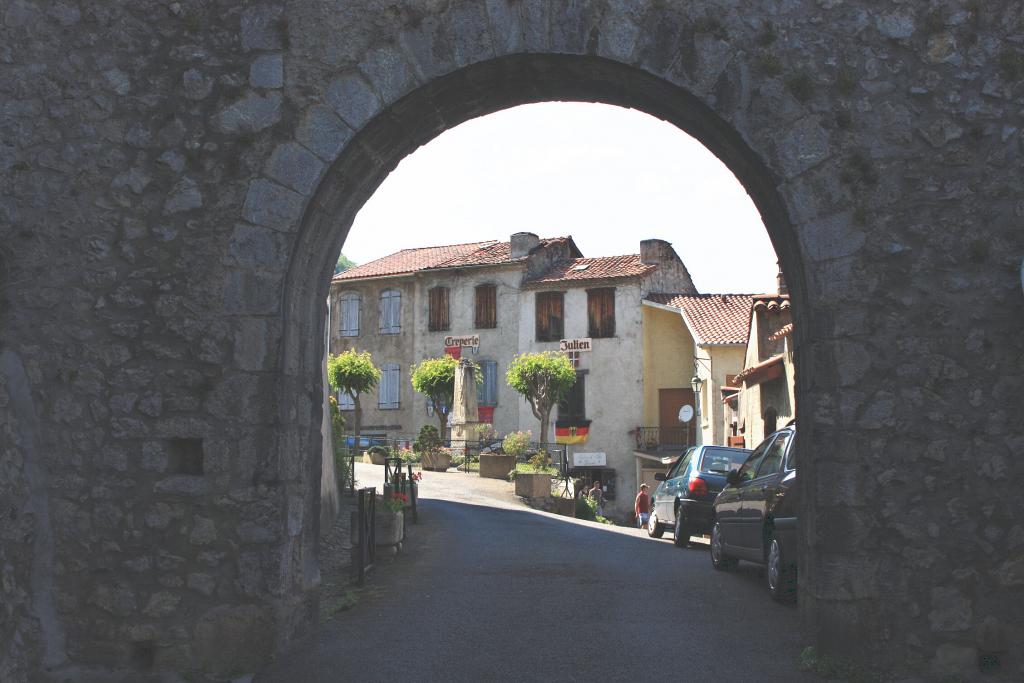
[486, 306]
[601, 312]
[550, 312]
[438, 314]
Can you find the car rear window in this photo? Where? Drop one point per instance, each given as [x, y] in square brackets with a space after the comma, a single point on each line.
[723, 460]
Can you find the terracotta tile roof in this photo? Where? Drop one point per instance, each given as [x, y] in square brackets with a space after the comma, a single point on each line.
[410, 260]
[588, 269]
[771, 302]
[449, 256]
[714, 318]
[783, 331]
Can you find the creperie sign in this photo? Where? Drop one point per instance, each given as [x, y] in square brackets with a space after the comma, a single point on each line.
[469, 340]
[575, 344]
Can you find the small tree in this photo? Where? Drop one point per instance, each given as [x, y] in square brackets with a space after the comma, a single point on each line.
[543, 379]
[353, 373]
[435, 379]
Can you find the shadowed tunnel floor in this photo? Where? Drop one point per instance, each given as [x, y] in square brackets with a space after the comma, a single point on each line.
[487, 593]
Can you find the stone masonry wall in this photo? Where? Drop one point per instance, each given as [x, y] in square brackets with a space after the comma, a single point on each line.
[179, 176]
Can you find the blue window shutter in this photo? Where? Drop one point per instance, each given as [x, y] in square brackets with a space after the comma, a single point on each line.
[388, 391]
[345, 401]
[487, 393]
[349, 315]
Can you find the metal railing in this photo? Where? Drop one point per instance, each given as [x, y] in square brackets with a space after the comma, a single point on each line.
[399, 475]
[654, 438]
[364, 550]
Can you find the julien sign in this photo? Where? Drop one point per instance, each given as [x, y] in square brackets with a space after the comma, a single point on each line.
[575, 344]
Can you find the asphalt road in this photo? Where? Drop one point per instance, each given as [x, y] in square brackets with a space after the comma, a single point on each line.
[488, 590]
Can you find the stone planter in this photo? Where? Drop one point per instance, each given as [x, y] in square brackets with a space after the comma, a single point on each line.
[439, 462]
[495, 466]
[390, 527]
[565, 506]
[533, 484]
[374, 458]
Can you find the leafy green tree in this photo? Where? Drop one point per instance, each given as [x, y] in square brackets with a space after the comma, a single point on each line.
[435, 379]
[344, 263]
[354, 373]
[543, 379]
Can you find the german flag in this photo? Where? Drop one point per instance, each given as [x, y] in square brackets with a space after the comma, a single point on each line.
[570, 432]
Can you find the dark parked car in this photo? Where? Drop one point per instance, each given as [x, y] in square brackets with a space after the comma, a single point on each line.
[683, 498]
[755, 516]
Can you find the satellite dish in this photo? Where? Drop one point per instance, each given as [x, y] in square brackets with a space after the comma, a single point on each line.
[686, 413]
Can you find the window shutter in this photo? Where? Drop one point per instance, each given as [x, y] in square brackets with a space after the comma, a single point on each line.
[601, 312]
[486, 306]
[345, 401]
[388, 393]
[549, 309]
[487, 393]
[390, 311]
[437, 318]
[350, 315]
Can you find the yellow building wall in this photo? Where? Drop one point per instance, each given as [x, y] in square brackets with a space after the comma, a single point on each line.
[668, 357]
[725, 360]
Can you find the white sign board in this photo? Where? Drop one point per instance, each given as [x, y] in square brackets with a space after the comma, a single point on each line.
[589, 460]
[686, 413]
[467, 340]
[575, 344]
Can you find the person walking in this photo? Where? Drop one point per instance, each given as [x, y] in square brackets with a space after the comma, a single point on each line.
[597, 495]
[642, 507]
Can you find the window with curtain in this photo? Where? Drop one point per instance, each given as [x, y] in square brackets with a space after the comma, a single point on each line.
[387, 390]
[550, 316]
[390, 311]
[487, 393]
[486, 306]
[601, 312]
[345, 401]
[349, 314]
[437, 318]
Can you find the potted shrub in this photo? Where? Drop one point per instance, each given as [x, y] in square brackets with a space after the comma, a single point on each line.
[433, 456]
[533, 480]
[375, 455]
[390, 520]
[499, 465]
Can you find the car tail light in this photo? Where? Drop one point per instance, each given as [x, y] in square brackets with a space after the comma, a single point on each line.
[698, 488]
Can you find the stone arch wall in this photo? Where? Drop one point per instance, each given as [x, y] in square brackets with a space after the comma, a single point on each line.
[174, 170]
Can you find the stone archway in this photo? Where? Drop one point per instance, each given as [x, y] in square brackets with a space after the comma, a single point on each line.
[205, 176]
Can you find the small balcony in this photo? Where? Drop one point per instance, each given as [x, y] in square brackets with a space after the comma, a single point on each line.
[665, 439]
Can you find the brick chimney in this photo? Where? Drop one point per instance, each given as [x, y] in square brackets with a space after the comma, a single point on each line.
[522, 243]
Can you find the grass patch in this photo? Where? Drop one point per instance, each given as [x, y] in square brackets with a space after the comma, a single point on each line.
[341, 603]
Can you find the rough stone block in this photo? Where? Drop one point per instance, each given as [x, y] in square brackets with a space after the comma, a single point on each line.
[251, 114]
[272, 205]
[267, 71]
[352, 100]
[262, 28]
[228, 640]
[323, 132]
[257, 247]
[296, 167]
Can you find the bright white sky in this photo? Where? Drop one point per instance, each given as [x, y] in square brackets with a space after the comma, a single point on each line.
[608, 176]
